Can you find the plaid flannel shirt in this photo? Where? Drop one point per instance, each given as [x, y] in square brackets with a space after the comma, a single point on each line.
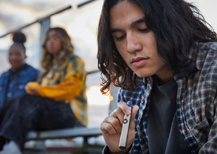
[196, 104]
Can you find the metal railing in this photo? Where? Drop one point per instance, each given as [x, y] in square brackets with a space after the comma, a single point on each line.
[41, 20]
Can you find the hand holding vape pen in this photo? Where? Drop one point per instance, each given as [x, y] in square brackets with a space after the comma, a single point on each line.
[125, 128]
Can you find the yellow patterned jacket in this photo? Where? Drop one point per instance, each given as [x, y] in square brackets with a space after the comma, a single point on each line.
[66, 84]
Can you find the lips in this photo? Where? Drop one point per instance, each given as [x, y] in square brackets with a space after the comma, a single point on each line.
[139, 61]
[51, 46]
[14, 62]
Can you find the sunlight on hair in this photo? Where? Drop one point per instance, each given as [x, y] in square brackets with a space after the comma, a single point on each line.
[95, 97]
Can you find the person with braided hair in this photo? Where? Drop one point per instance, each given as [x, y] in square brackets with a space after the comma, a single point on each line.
[13, 81]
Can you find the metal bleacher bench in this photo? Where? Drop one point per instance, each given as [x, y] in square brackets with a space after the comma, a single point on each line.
[85, 132]
[63, 134]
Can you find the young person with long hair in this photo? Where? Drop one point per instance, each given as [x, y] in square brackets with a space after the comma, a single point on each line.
[13, 81]
[163, 56]
[57, 101]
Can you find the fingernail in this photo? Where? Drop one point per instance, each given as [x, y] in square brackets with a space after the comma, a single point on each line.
[128, 111]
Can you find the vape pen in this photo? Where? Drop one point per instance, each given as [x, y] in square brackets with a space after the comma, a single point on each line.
[125, 128]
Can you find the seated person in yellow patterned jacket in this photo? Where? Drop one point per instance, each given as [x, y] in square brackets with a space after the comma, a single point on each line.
[57, 101]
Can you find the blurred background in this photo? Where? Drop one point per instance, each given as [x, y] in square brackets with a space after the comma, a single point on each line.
[81, 24]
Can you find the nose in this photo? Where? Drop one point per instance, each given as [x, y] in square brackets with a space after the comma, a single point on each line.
[12, 57]
[50, 41]
[133, 44]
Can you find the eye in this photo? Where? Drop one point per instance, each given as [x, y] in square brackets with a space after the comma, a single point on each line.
[144, 30]
[18, 54]
[56, 38]
[120, 38]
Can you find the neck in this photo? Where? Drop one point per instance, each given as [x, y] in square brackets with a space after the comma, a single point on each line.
[165, 76]
[55, 56]
[17, 69]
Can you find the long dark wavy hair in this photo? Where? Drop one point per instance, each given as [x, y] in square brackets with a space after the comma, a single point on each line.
[67, 49]
[176, 25]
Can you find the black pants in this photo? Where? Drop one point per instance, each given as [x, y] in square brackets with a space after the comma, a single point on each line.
[28, 112]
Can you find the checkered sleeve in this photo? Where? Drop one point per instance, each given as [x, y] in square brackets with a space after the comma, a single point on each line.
[210, 69]
[210, 147]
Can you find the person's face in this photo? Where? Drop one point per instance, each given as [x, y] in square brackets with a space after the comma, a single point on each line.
[134, 41]
[16, 57]
[53, 43]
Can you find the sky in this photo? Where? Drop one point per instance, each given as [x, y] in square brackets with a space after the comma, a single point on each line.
[81, 24]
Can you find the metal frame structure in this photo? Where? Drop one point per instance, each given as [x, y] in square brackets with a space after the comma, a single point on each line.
[45, 23]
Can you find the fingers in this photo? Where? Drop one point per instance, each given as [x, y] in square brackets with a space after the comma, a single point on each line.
[111, 125]
[124, 108]
[32, 91]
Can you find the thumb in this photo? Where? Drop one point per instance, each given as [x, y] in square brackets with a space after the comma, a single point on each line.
[135, 109]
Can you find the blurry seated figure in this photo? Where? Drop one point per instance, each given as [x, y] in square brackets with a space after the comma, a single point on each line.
[57, 101]
[13, 81]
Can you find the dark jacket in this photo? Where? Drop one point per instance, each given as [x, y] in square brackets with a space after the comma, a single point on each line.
[12, 84]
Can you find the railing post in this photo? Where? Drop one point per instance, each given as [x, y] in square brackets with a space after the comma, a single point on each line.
[45, 25]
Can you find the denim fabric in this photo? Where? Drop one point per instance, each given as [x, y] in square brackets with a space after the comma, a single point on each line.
[12, 84]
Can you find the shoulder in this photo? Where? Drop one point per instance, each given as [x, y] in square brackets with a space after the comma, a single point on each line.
[205, 54]
[126, 95]
[30, 68]
[206, 63]
[207, 46]
[204, 49]
[5, 74]
[75, 59]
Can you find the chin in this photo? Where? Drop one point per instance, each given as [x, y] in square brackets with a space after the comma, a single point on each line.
[53, 52]
[143, 74]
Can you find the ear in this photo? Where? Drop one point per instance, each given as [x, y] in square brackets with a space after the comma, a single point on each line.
[25, 56]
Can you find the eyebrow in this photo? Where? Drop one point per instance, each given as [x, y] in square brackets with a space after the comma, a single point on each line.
[113, 30]
[133, 24]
